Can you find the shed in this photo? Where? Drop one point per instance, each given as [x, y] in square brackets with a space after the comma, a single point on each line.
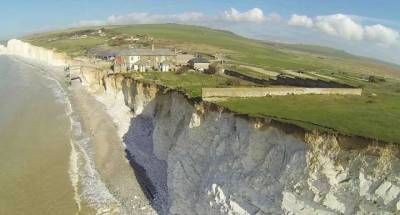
[199, 63]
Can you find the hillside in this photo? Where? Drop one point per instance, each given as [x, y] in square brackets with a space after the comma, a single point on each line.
[375, 114]
[273, 56]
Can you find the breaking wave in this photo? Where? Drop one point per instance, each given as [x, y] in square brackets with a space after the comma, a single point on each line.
[88, 187]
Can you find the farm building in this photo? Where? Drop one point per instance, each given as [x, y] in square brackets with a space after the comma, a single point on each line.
[149, 59]
[183, 59]
[102, 53]
[199, 63]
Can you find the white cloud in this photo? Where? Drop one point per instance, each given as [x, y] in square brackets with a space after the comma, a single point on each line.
[273, 17]
[347, 27]
[340, 25]
[381, 34]
[253, 15]
[303, 21]
[145, 18]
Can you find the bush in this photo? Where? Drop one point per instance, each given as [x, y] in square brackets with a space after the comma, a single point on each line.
[182, 70]
[214, 68]
[375, 79]
[232, 82]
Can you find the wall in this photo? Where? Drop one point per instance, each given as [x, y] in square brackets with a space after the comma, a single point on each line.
[201, 66]
[210, 93]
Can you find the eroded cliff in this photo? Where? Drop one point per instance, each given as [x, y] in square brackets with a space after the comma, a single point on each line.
[203, 159]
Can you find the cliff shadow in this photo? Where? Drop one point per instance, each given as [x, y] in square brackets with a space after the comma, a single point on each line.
[288, 81]
[149, 170]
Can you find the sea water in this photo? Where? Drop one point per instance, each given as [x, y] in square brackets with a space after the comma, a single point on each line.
[46, 158]
[34, 143]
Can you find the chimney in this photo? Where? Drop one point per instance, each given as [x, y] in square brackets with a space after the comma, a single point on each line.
[152, 47]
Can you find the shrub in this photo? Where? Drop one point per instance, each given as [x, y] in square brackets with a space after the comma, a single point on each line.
[232, 82]
[182, 70]
[214, 68]
[375, 79]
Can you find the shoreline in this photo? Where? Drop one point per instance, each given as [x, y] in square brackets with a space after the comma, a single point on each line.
[111, 159]
[202, 157]
[36, 141]
[102, 177]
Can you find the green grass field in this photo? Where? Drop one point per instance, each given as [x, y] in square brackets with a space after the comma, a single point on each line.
[191, 83]
[375, 114]
[373, 117]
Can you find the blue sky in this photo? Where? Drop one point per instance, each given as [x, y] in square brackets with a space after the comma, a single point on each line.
[363, 27]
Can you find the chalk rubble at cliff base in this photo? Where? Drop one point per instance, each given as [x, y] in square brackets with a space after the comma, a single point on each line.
[206, 161]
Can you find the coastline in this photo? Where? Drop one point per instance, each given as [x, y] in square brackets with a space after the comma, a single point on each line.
[100, 173]
[212, 152]
[109, 151]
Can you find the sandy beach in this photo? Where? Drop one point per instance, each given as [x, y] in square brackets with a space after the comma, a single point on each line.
[110, 157]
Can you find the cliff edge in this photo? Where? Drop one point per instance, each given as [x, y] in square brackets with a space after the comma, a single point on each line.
[203, 159]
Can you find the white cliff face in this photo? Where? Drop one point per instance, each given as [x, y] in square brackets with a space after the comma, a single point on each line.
[42, 55]
[203, 161]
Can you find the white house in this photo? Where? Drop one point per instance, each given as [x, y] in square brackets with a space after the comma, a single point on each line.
[149, 59]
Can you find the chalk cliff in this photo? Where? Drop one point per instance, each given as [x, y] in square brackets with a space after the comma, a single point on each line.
[203, 159]
[42, 55]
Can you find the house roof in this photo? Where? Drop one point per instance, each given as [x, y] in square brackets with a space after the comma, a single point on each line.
[146, 52]
[167, 62]
[101, 51]
[199, 60]
[141, 62]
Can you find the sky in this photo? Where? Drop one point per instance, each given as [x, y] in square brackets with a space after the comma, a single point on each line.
[363, 27]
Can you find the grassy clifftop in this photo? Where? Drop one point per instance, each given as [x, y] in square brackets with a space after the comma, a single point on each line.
[273, 56]
[375, 114]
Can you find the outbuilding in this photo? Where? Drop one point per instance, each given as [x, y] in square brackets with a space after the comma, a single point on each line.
[199, 63]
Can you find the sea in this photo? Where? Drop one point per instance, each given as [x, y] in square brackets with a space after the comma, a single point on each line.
[46, 161]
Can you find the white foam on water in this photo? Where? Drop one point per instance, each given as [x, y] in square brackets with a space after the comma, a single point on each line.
[85, 179]
[73, 174]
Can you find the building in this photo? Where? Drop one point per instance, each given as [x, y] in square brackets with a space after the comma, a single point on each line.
[183, 59]
[149, 59]
[166, 66]
[199, 63]
[102, 53]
